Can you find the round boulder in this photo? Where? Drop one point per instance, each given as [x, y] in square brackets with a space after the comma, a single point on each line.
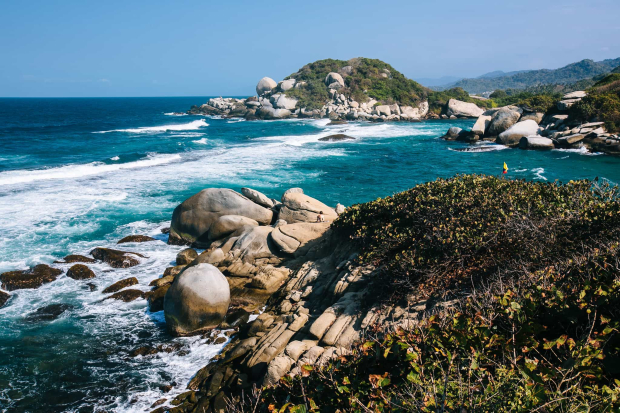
[197, 300]
[334, 81]
[503, 120]
[266, 84]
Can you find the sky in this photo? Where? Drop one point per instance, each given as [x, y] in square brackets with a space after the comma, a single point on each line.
[83, 48]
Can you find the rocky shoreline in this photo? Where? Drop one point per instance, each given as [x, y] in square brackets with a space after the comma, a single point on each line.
[522, 127]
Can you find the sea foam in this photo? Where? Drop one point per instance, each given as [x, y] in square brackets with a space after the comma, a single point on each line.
[80, 170]
[196, 124]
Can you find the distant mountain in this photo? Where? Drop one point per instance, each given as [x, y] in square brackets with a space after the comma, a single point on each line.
[499, 73]
[439, 81]
[521, 80]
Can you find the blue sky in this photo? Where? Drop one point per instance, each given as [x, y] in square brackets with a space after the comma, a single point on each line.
[199, 48]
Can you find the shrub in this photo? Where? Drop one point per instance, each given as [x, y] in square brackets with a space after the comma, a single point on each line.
[604, 107]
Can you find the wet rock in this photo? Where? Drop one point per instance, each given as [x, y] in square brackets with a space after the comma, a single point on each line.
[197, 300]
[116, 258]
[80, 272]
[336, 138]
[165, 230]
[136, 238]
[4, 297]
[126, 295]
[156, 298]
[158, 403]
[186, 256]
[162, 281]
[174, 271]
[92, 286]
[48, 313]
[149, 350]
[75, 258]
[32, 278]
[235, 318]
[119, 285]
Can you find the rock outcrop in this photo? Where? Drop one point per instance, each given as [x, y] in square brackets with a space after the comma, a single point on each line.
[197, 300]
[462, 109]
[298, 207]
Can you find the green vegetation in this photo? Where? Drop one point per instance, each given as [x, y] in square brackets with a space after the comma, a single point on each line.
[367, 78]
[569, 74]
[538, 102]
[601, 104]
[535, 266]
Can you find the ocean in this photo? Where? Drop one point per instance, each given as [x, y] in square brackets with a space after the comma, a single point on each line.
[81, 173]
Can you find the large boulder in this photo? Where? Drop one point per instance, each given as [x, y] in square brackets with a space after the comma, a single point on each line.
[286, 84]
[32, 278]
[411, 113]
[334, 81]
[197, 300]
[462, 109]
[258, 197]
[192, 219]
[383, 110]
[266, 84]
[535, 142]
[502, 120]
[513, 136]
[481, 125]
[285, 102]
[293, 238]
[253, 244]
[298, 207]
[228, 224]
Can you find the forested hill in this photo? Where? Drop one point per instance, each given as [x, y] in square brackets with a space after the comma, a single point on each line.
[567, 74]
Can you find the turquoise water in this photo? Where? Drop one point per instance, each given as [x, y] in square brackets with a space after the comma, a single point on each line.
[80, 173]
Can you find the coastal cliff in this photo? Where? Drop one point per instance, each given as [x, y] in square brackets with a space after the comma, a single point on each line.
[450, 275]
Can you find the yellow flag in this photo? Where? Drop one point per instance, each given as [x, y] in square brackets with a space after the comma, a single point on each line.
[505, 167]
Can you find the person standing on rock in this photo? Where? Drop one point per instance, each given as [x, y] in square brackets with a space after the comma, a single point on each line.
[320, 217]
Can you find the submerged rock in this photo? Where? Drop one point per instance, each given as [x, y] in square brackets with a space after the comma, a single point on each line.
[116, 258]
[119, 285]
[32, 278]
[336, 138]
[198, 299]
[48, 313]
[80, 272]
[136, 238]
[4, 297]
[75, 258]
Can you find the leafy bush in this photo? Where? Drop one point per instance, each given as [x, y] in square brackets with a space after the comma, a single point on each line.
[538, 330]
[604, 107]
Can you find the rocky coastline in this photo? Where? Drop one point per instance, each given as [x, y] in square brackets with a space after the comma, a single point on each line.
[522, 127]
[285, 288]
